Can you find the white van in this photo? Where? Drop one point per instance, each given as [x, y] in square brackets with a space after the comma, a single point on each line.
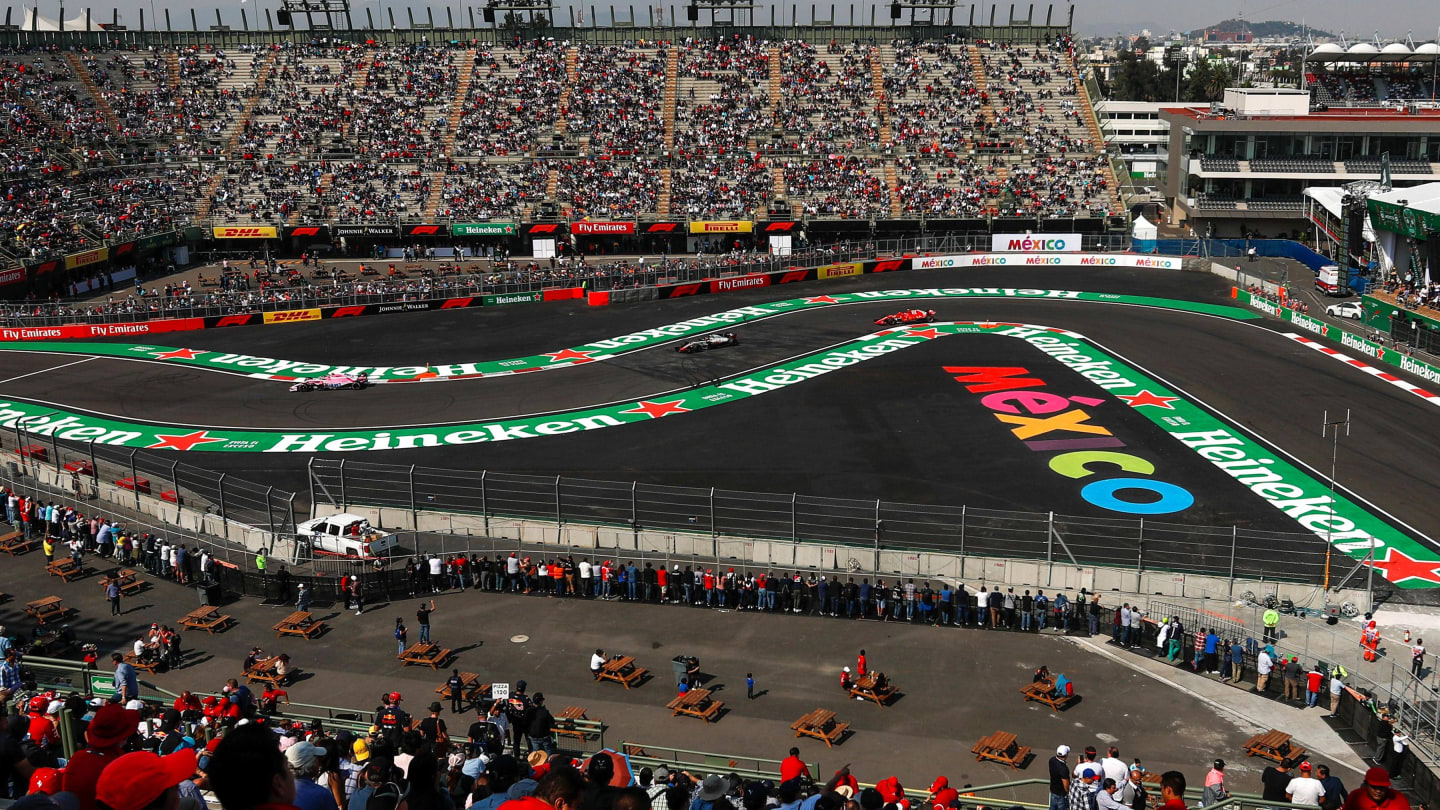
[347, 535]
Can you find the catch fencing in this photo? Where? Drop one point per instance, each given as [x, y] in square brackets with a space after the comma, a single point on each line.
[1140, 545]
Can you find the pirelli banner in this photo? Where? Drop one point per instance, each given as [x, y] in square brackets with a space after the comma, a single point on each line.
[843, 270]
[96, 256]
[722, 226]
[245, 232]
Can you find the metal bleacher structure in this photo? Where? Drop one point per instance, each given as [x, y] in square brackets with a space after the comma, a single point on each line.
[150, 131]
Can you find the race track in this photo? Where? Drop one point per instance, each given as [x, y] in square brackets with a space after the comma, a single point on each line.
[896, 427]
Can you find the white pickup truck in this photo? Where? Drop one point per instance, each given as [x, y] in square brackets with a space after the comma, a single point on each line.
[347, 535]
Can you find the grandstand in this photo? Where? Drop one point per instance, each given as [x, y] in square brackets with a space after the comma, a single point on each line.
[152, 133]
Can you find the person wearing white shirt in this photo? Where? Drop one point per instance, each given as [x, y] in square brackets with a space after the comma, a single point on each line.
[586, 589]
[597, 660]
[1114, 767]
[1263, 665]
[1305, 789]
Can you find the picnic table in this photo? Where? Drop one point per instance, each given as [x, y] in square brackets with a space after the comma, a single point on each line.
[428, 653]
[565, 723]
[471, 690]
[621, 669]
[299, 623]
[128, 581]
[47, 609]
[52, 643]
[13, 543]
[821, 725]
[867, 687]
[208, 619]
[264, 671]
[695, 703]
[66, 569]
[1273, 745]
[1043, 691]
[149, 665]
[1001, 747]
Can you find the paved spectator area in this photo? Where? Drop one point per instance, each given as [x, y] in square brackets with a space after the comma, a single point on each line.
[957, 685]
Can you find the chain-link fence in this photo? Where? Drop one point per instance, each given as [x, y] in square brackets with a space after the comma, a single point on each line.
[33, 443]
[1140, 545]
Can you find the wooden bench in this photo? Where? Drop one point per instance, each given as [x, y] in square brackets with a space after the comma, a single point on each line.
[48, 609]
[128, 581]
[821, 725]
[566, 725]
[264, 672]
[151, 666]
[1273, 745]
[206, 618]
[300, 623]
[1044, 692]
[471, 690]
[14, 543]
[66, 569]
[695, 703]
[427, 653]
[622, 670]
[866, 687]
[1001, 747]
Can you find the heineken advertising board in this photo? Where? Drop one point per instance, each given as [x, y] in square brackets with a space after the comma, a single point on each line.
[1403, 219]
[484, 229]
[512, 298]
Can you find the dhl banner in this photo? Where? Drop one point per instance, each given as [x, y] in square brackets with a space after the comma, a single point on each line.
[723, 226]
[244, 232]
[293, 316]
[96, 256]
[839, 270]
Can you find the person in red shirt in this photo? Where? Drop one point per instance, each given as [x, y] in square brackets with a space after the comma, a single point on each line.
[941, 794]
[860, 665]
[1172, 790]
[1376, 794]
[270, 699]
[793, 767]
[1314, 679]
[845, 679]
[662, 578]
[105, 738]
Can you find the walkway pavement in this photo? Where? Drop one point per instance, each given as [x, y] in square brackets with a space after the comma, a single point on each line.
[1239, 701]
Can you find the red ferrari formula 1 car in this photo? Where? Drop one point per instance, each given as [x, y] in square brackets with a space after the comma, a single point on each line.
[906, 317]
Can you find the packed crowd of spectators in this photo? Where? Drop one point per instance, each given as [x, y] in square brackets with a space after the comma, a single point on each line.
[478, 191]
[1347, 86]
[618, 98]
[932, 100]
[724, 98]
[351, 132]
[513, 99]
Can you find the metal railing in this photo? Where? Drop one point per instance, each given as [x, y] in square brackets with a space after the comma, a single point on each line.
[865, 526]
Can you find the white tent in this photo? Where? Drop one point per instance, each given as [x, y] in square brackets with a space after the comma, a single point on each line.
[1329, 198]
[34, 21]
[1144, 229]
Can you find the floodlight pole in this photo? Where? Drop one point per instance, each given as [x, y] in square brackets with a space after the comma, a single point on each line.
[1330, 428]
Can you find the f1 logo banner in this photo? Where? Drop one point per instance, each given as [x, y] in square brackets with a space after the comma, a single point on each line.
[309, 231]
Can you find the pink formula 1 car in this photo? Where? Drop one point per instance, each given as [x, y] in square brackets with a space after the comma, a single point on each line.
[332, 382]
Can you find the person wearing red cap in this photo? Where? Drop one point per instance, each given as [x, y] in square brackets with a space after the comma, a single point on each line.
[941, 794]
[105, 738]
[144, 781]
[1376, 794]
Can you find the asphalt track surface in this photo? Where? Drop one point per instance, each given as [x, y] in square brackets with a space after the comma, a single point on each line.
[896, 428]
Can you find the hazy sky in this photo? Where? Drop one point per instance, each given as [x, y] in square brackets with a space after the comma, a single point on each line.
[1359, 20]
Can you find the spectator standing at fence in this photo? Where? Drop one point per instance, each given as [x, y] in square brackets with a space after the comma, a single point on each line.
[127, 686]
[1334, 789]
[422, 617]
[1060, 779]
[1417, 657]
[1263, 665]
[302, 597]
[1314, 681]
[1337, 686]
[400, 635]
[1094, 611]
